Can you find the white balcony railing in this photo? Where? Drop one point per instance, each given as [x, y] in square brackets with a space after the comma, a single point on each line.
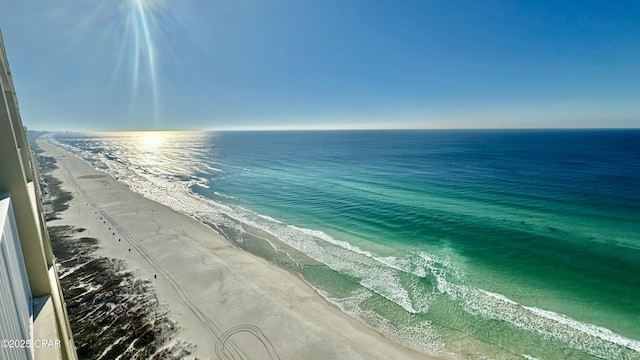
[16, 311]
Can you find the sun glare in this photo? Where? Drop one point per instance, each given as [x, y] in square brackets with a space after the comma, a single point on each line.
[150, 142]
[141, 23]
[149, 4]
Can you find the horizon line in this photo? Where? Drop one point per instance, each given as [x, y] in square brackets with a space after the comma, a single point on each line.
[335, 129]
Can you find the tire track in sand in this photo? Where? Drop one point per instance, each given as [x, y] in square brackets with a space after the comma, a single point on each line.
[234, 352]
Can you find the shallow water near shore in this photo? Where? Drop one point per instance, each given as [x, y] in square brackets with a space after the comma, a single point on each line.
[506, 244]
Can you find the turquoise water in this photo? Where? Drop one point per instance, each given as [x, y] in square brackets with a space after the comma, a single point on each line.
[504, 244]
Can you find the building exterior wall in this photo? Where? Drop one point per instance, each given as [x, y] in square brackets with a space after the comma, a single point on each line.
[17, 181]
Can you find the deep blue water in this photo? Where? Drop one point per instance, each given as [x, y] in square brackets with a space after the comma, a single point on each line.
[502, 243]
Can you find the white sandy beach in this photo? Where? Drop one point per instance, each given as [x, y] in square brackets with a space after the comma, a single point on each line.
[208, 285]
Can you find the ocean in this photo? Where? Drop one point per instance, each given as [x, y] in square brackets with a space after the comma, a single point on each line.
[496, 244]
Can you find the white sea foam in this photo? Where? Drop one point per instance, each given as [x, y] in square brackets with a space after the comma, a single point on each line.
[224, 195]
[593, 330]
[588, 338]
[349, 260]
[498, 297]
[268, 218]
[422, 336]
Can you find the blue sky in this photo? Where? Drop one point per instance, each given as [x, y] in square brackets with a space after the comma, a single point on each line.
[255, 64]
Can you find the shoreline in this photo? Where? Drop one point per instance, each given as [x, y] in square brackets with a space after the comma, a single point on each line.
[261, 310]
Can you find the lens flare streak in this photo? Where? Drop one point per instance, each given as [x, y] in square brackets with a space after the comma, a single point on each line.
[139, 15]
